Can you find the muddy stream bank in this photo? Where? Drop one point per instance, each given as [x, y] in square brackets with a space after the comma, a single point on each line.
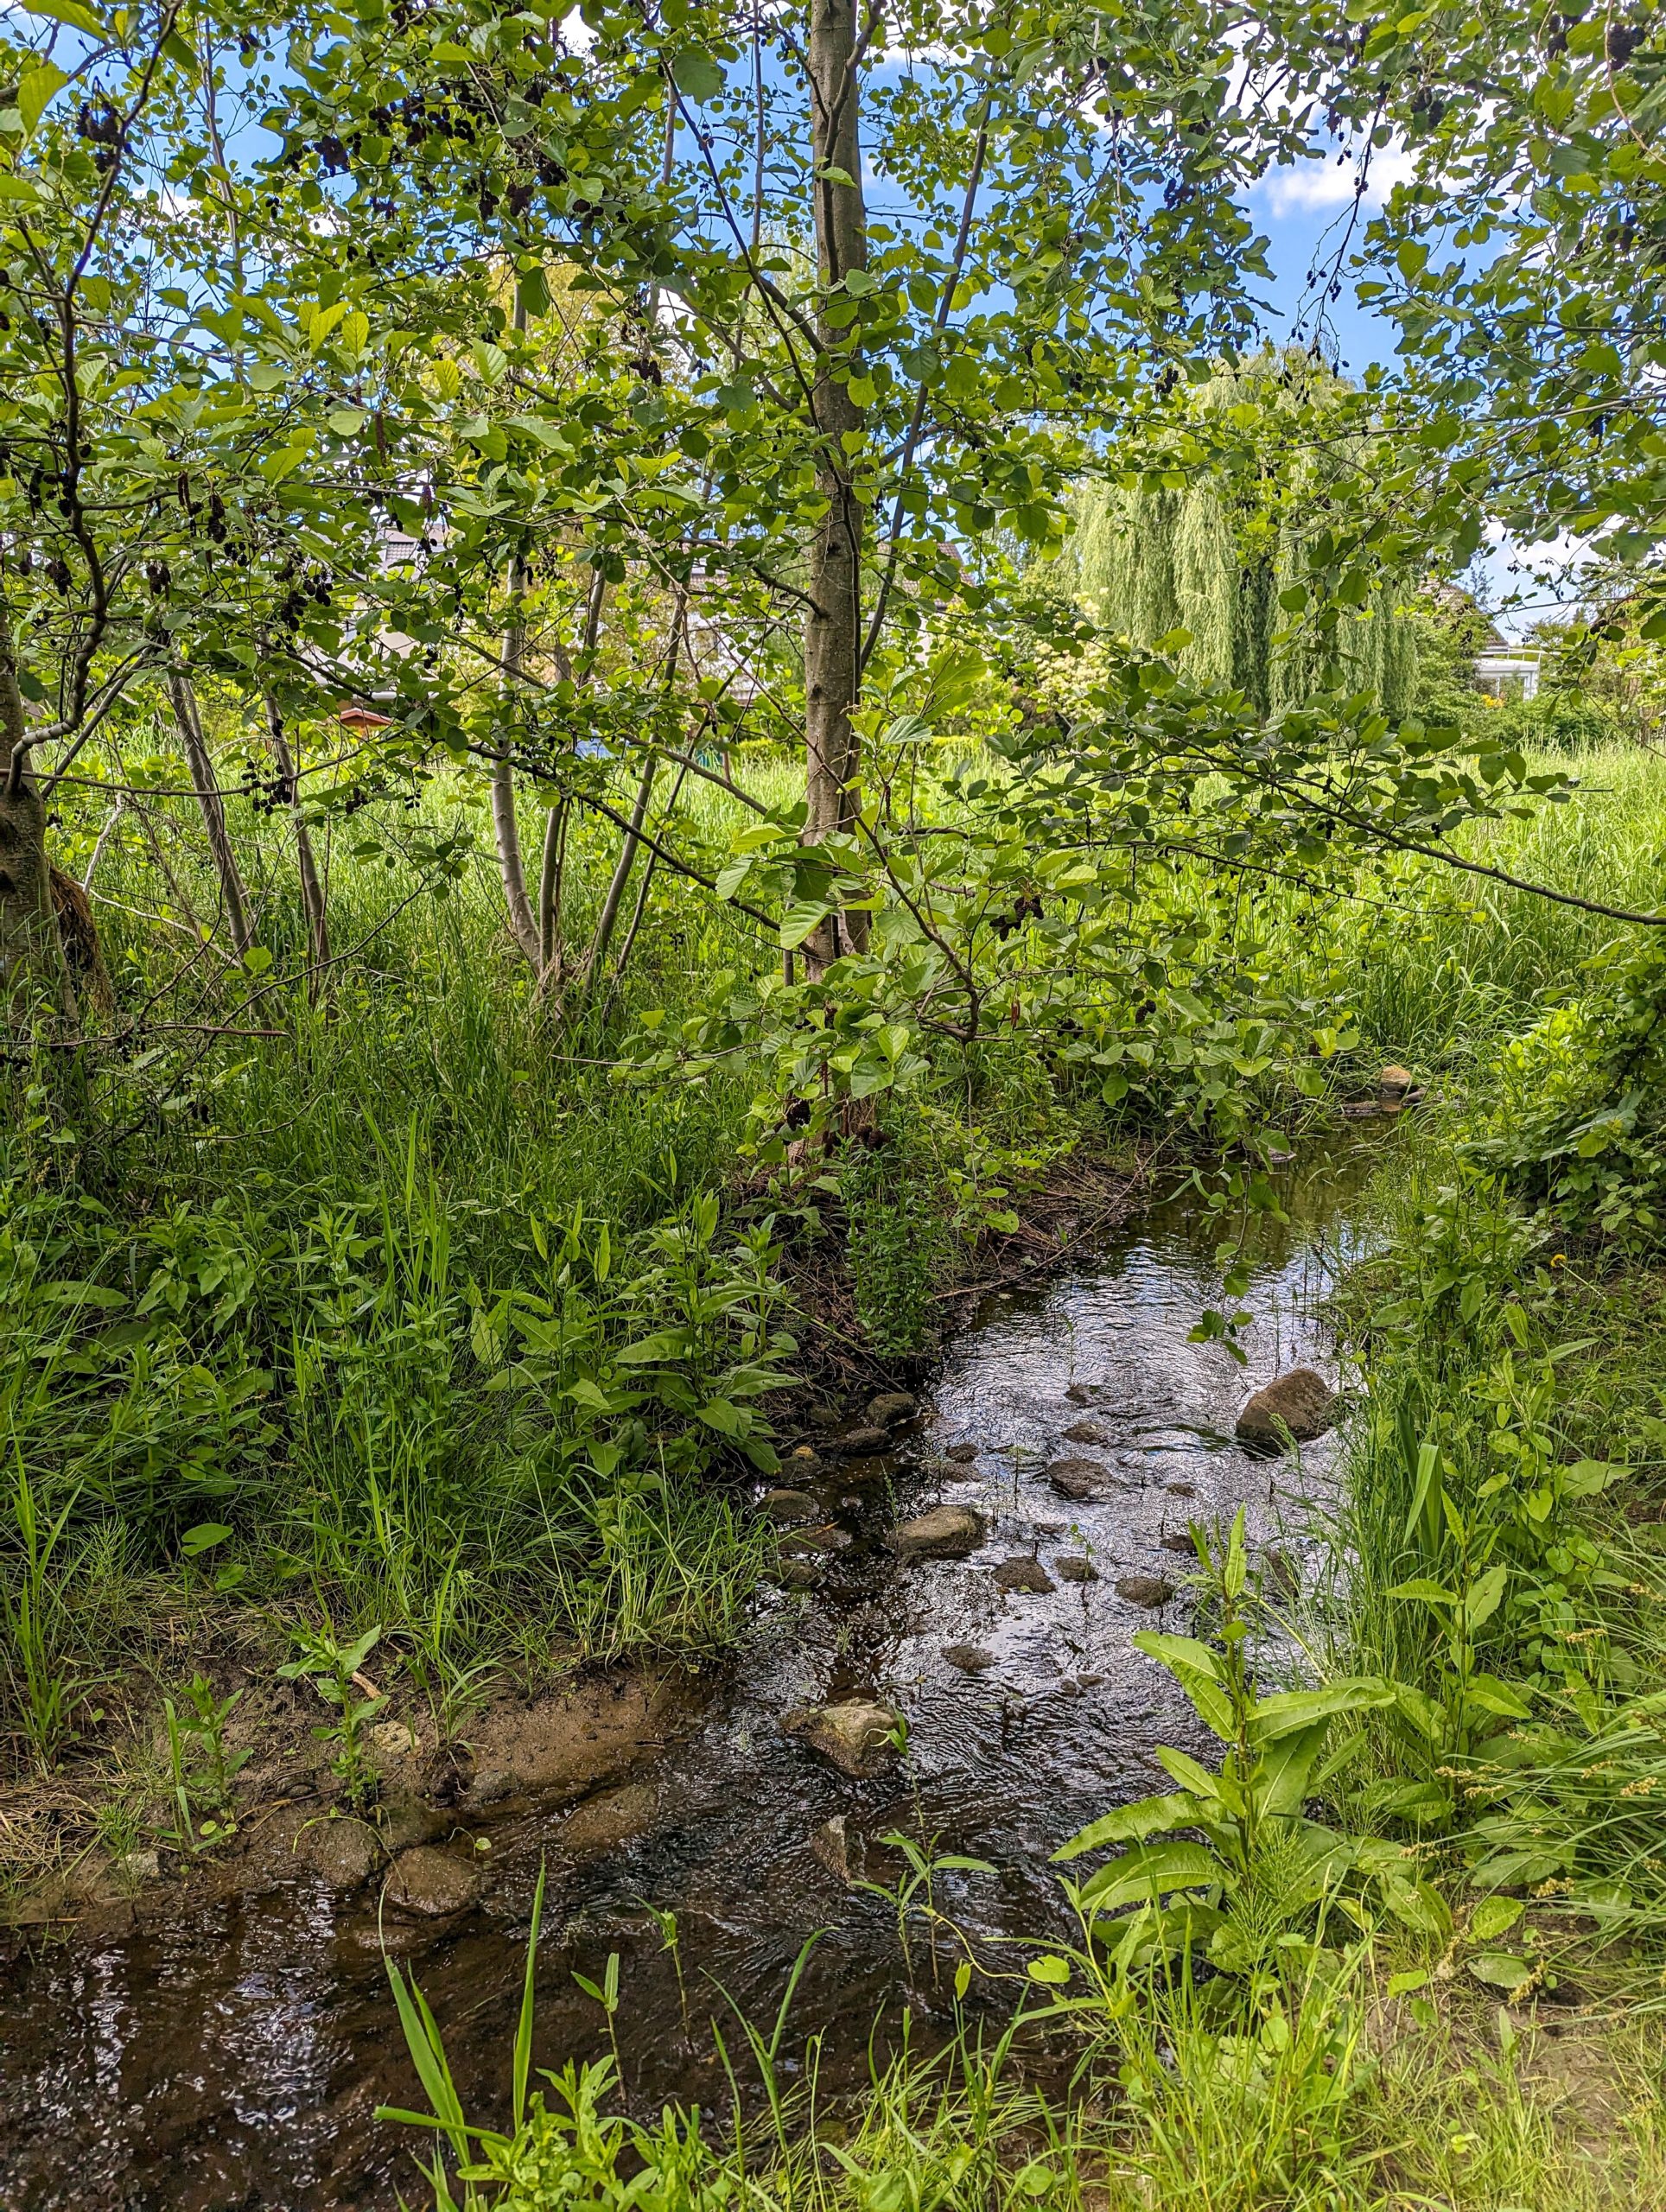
[232, 2058]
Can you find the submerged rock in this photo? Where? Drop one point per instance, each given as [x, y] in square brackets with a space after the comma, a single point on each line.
[344, 1854]
[431, 1883]
[961, 1453]
[1181, 1490]
[1088, 1432]
[832, 1846]
[892, 1406]
[1300, 1401]
[856, 1738]
[1026, 1574]
[1079, 1395]
[971, 1658]
[802, 1460]
[946, 1532]
[1074, 1568]
[1081, 1478]
[789, 1508]
[609, 1819]
[863, 1443]
[1144, 1589]
[1177, 1542]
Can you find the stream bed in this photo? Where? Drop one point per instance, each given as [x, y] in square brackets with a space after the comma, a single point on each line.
[233, 2059]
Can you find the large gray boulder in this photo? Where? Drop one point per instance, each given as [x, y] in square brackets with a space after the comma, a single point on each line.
[858, 1737]
[1302, 1402]
[946, 1532]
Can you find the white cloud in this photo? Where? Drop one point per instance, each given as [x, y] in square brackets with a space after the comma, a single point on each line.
[1330, 181]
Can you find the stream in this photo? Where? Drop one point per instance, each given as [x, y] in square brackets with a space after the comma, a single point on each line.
[233, 2060]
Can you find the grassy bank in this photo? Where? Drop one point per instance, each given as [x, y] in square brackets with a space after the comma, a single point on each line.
[1419, 1961]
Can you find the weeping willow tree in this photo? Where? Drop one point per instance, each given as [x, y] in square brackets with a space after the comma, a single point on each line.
[1211, 553]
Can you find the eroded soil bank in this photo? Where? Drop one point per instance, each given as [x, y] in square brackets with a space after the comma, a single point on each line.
[233, 2055]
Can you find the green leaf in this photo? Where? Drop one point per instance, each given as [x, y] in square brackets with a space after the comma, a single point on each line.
[1196, 1670]
[663, 1345]
[20, 189]
[1144, 1873]
[1052, 1971]
[203, 1537]
[694, 72]
[1433, 1593]
[1501, 1970]
[71, 12]
[1485, 1596]
[1289, 1710]
[1492, 1917]
[798, 921]
[35, 91]
[1131, 1824]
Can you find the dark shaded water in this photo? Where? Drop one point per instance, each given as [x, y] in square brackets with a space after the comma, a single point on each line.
[234, 2060]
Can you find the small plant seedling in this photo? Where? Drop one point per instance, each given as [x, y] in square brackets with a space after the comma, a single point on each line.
[334, 1669]
[201, 1768]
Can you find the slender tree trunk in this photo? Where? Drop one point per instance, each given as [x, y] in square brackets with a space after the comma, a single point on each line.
[233, 897]
[607, 919]
[311, 890]
[833, 632]
[506, 824]
[552, 946]
[32, 964]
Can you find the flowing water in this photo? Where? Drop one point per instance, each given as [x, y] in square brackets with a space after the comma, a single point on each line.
[234, 2059]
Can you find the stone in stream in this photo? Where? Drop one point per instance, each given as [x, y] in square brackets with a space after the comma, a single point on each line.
[946, 1532]
[801, 1460]
[1144, 1589]
[1079, 1395]
[857, 1737]
[1395, 1081]
[961, 1453]
[1026, 1574]
[344, 1854]
[1073, 1568]
[430, 1884]
[827, 1538]
[832, 1846]
[1177, 1542]
[1181, 1489]
[892, 1406]
[1088, 1432]
[862, 1443]
[971, 1658]
[1300, 1401]
[789, 1508]
[609, 1819]
[1081, 1479]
